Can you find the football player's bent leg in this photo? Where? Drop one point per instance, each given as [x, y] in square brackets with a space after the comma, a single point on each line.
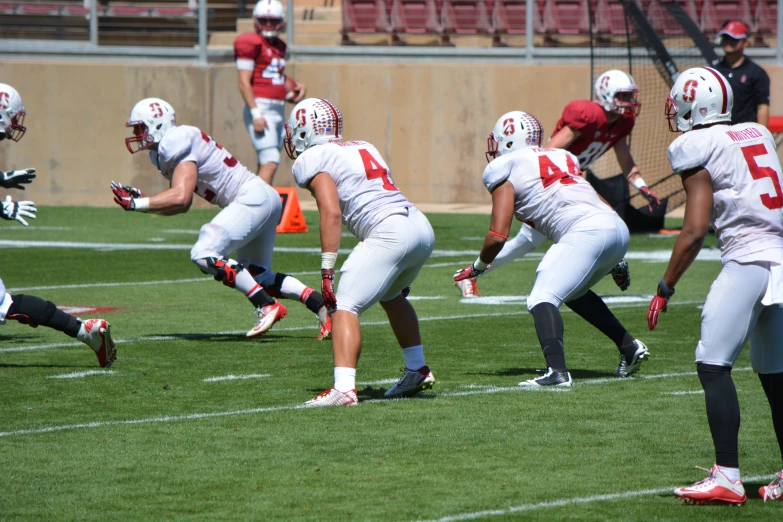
[32, 310]
[285, 286]
[592, 309]
[723, 413]
[523, 243]
[234, 275]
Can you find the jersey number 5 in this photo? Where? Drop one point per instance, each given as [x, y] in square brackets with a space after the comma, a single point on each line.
[551, 173]
[751, 152]
[373, 169]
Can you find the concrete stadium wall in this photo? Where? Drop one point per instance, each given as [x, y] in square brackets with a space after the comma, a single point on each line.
[430, 121]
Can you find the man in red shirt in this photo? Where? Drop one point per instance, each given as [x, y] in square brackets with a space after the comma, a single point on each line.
[586, 129]
[260, 59]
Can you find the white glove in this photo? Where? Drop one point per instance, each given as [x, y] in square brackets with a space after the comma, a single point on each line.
[18, 210]
[15, 178]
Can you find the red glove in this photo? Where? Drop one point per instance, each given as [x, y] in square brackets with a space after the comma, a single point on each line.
[650, 196]
[125, 194]
[469, 272]
[327, 288]
[658, 304]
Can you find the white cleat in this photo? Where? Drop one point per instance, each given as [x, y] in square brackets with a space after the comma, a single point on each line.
[411, 383]
[624, 369]
[468, 287]
[97, 335]
[715, 489]
[333, 397]
[773, 490]
[267, 317]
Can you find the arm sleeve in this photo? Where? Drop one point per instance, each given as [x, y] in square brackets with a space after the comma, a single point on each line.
[684, 154]
[496, 173]
[177, 146]
[245, 53]
[307, 166]
[577, 116]
[762, 89]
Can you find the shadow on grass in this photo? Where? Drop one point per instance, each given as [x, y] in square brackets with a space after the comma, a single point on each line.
[10, 365]
[372, 393]
[238, 337]
[535, 372]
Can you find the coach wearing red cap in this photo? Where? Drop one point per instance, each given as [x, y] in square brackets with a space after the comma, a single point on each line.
[749, 82]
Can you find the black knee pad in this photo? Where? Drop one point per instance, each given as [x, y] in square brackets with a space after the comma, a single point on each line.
[223, 270]
[276, 288]
[32, 310]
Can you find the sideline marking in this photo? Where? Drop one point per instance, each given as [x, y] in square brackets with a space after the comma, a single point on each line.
[237, 377]
[251, 411]
[694, 392]
[78, 375]
[569, 501]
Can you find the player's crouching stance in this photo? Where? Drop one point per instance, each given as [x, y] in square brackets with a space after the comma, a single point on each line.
[731, 175]
[28, 309]
[543, 188]
[193, 162]
[351, 184]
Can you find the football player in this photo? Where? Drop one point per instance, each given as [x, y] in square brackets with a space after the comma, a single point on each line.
[260, 59]
[542, 186]
[195, 163]
[732, 177]
[588, 129]
[29, 309]
[351, 184]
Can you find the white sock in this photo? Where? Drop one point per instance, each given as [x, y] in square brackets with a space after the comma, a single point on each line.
[733, 474]
[344, 378]
[82, 333]
[414, 357]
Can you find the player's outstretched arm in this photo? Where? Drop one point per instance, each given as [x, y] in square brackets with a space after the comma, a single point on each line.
[499, 229]
[176, 200]
[17, 210]
[15, 178]
[325, 192]
[698, 207]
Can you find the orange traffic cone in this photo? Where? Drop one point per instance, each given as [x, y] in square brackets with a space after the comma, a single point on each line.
[292, 219]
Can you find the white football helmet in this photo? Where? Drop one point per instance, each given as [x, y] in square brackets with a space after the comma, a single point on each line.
[514, 130]
[700, 96]
[150, 119]
[269, 17]
[616, 92]
[312, 122]
[11, 114]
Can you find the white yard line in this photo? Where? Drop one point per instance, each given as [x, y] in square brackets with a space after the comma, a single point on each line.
[694, 392]
[237, 377]
[79, 375]
[570, 501]
[376, 383]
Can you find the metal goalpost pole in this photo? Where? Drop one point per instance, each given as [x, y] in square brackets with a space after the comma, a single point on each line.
[202, 31]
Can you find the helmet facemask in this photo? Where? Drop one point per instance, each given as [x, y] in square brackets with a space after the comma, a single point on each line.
[294, 149]
[268, 27]
[492, 148]
[625, 103]
[14, 129]
[141, 137]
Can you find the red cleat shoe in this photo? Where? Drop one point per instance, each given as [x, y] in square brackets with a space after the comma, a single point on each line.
[715, 489]
[97, 335]
[333, 397]
[773, 490]
[468, 287]
[267, 317]
[326, 325]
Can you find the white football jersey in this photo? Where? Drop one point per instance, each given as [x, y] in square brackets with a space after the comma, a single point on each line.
[364, 185]
[747, 210]
[550, 194]
[220, 175]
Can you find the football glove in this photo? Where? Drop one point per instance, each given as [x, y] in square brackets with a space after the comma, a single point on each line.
[469, 272]
[327, 288]
[621, 275]
[651, 198]
[17, 210]
[125, 194]
[658, 304]
[15, 178]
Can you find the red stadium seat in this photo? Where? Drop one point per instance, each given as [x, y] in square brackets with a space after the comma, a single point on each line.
[664, 23]
[173, 12]
[610, 18]
[7, 8]
[715, 12]
[38, 9]
[765, 23]
[510, 17]
[364, 16]
[77, 10]
[128, 11]
[414, 17]
[465, 17]
[566, 17]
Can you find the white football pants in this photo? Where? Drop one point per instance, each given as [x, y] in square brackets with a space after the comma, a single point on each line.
[526, 240]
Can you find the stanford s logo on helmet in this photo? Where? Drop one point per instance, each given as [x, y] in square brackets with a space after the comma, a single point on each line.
[514, 131]
[616, 92]
[150, 119]
[12, 113]
[269, 18]
[313, 121]
[700, 96]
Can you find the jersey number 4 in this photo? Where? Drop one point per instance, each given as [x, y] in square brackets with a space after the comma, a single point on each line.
[551, 173]
[374, 170]
[751, 152]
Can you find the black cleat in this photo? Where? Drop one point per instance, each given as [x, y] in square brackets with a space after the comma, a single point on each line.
[550, 378]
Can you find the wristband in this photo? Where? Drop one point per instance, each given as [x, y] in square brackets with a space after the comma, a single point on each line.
[638, 183]
[501, 236]
[256, 113]
[665, 290]
[478, 264]
[328, 259]
[141, 204]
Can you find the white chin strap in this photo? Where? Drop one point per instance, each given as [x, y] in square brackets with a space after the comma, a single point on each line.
[270, 34]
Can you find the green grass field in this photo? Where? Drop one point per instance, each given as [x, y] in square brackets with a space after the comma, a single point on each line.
[152, 439]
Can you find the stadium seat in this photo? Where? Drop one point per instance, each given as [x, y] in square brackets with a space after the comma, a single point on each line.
[610, 18]
[465, 17]
[173, 12]
[7, 9]
[364, 16]
[765, 22]
[664, 23]
[564, 17]
[510, 17]
[414, 17]
[38, 9]
[128, 11]
[715, 12]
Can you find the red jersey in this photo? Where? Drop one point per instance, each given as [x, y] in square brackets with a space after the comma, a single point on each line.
[595, 134]
[266, 58]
